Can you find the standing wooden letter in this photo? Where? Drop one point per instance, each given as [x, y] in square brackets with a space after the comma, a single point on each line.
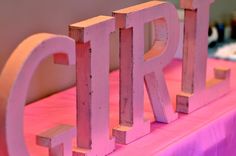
[195, 91]
[135, 67]
[92, 38]
[14, 83]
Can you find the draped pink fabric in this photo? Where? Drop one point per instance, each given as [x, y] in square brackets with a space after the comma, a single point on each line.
[209, 131]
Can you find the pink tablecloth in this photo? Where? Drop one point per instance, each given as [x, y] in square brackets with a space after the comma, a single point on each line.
[209, 131]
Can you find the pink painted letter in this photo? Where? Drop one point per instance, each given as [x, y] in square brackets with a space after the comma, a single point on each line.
[135, 67]
[92, 38]
[196, 92]
[14, 83]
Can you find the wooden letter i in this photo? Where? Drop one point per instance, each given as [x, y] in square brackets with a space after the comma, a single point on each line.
[92, 50]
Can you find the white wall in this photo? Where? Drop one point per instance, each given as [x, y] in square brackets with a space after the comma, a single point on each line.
[22, 18]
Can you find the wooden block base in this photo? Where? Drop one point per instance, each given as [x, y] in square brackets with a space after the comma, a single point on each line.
[100, 151]
[126, 134]
[215, 88]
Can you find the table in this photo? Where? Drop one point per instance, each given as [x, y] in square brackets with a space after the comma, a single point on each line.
[208, 131]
